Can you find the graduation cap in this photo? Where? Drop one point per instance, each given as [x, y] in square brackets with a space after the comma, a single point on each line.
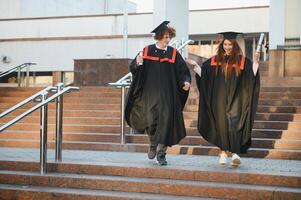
[230, 35]
[162, 27]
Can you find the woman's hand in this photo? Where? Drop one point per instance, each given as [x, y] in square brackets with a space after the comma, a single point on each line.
[186, 86]
[256, 58]
[139, 58]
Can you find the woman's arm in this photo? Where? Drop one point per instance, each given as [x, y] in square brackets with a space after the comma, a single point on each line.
[136, 62]
[183, 72]
[195, 65]
[256, 63]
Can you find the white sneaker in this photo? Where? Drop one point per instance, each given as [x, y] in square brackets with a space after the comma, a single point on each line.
[235, 160]
[223, 159]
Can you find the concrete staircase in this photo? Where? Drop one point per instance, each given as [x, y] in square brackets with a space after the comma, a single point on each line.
[96, 166]
[121, 175]
[92, 122]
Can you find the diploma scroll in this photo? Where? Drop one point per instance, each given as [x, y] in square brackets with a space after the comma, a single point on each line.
[260, 42]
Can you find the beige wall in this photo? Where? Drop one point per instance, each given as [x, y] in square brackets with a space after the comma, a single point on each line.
[285, 63]
[54, 42]
[292, 18]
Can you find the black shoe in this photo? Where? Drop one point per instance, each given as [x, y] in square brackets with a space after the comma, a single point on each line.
[152, 152]
[161, 159]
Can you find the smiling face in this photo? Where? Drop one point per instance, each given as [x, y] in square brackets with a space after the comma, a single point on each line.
[228, 47]
[165, 40]
[164, 37]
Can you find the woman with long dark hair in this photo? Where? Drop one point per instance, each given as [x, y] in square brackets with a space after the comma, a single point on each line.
[229, 88]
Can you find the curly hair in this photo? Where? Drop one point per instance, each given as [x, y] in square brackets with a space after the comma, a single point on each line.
[170, 30]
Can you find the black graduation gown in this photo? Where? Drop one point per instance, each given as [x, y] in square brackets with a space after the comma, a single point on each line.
[156, 99]
[227, 106]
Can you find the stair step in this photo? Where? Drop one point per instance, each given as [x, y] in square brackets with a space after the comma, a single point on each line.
[268, 143]
[172, 172]
[279, 109]
[146, 185]
[115, 104]
[75, 100]
[289, 154]
[261, 102]
[70, 106]
[69, 120]
[276, 134]
[18, 192]
[115, 121]
[260, 109]
[69, 127]
[114, 125]
[73, 113]
[278, 117]
[280, 89]
[96, 174]
[98, 114]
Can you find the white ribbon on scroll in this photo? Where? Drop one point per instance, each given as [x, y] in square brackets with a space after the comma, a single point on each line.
[256, 65]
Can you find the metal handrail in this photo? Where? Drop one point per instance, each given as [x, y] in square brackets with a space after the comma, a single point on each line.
[25, 101]
[184, 44]
[174, 42]
[125, 82]
[19, 68]
[43, 105]
[31, 110]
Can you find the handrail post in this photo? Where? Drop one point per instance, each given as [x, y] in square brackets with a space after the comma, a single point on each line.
[27, 75]
[59, 125]
[43, 134]
[43, 106]
[122, 114]
[19, 77]
[22, 78]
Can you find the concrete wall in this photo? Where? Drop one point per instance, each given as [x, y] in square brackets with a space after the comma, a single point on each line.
[292, 17]
[58, 55]
[54, 42]
[285, 21]
[246, 20]
[47, 8]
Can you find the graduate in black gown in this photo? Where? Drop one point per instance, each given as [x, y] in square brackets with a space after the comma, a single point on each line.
[228, 84]
[158, 93]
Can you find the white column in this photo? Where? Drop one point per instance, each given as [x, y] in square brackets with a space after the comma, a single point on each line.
[125, 29]
[300, 21]
[277, 23]
[175, 11]
[292, 17]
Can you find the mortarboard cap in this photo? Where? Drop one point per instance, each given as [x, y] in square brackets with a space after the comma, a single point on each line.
[162, 27]
[230, 35]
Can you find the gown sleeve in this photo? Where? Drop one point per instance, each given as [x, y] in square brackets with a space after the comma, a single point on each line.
[133, 67]
[183, 70]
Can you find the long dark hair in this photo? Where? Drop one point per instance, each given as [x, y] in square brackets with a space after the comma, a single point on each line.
[233, 60]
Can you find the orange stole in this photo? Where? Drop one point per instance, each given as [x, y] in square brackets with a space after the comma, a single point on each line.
[242, 62]
[171, 60]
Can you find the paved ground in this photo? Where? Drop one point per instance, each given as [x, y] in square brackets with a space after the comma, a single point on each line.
[191, 162]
